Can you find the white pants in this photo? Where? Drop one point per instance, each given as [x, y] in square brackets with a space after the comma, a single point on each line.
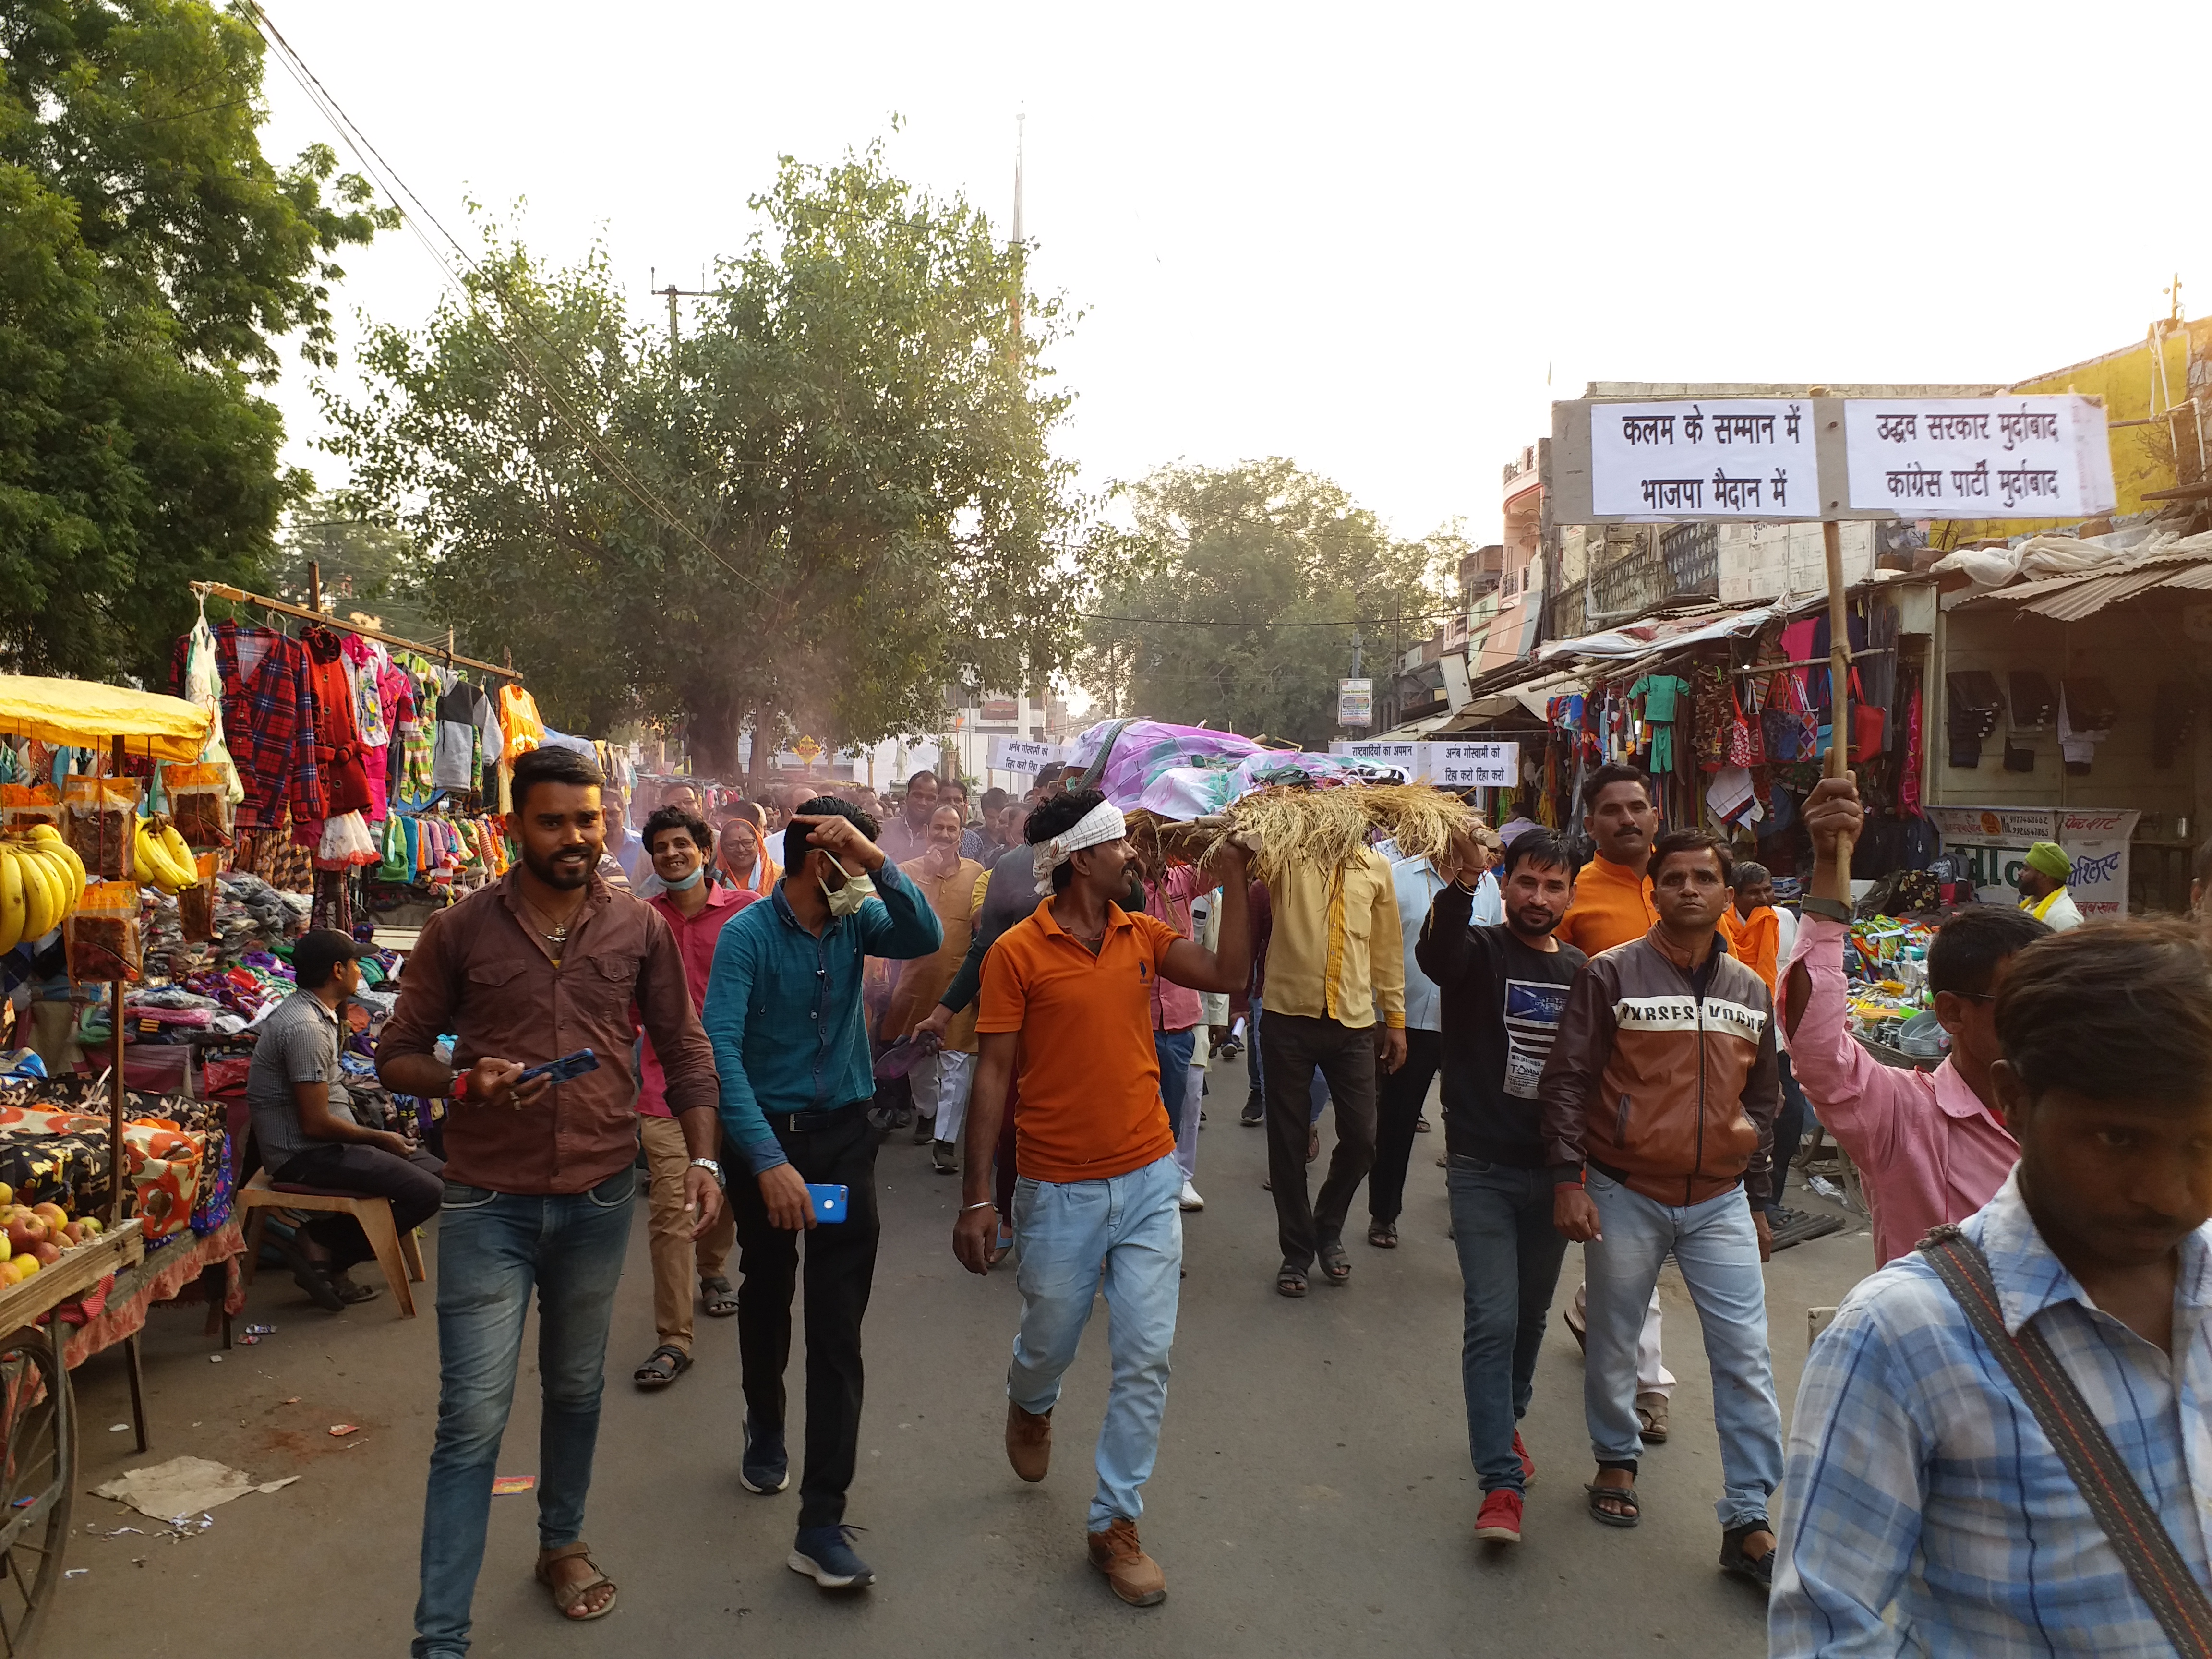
[1187, 1132]
[941, 1082]
[1652, 1376]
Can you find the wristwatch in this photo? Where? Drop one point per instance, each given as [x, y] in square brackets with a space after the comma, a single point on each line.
[708, 1165]
[1834, 909]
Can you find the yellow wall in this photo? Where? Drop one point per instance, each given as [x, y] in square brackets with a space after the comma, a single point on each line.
[2123, 380]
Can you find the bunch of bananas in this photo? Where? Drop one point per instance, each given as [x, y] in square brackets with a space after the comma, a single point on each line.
[41, 880]
[163, 858]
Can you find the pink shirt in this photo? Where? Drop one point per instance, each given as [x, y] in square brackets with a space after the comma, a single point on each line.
[1928, 1151]
[1174, 1007]
[695, 937]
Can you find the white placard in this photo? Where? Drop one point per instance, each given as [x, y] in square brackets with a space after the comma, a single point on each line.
[1979, 458]
[1016, 755]
[1410, 758]
[1474, 765]
[1732, 458]
[1355, 702]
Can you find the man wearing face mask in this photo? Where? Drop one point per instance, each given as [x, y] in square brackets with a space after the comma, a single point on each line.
[784, 1013]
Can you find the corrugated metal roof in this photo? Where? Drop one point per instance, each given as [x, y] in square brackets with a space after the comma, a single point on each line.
[2070, 598]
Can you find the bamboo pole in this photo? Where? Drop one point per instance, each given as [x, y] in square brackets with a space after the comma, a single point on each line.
[1840, 675]
[119, 1162]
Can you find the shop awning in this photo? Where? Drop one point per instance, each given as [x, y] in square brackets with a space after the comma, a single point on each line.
[87, 714]
[2071, 597]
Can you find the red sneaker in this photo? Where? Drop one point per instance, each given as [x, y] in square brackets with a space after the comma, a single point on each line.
[1499, 1519]
[1528, 1463]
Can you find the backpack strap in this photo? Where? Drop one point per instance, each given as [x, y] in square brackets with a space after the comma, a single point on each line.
[2144, 1547]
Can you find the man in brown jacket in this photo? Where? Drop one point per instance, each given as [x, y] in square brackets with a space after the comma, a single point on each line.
[1658, 1101]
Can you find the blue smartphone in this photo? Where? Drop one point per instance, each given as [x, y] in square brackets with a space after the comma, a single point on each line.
[568, 1066]
[829, 1202]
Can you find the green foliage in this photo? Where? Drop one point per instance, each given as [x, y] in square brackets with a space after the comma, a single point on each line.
[365, 569]
[1218, 554]
[149, 255]
[832, 500]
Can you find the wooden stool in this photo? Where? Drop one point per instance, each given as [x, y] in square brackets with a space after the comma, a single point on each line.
[396, 1253]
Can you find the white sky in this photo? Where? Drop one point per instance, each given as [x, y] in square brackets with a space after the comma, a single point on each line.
[1360, 237]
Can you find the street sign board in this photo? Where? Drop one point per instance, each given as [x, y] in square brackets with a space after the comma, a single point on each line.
[1355, 702]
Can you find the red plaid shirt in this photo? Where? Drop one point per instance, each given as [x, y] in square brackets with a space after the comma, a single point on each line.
[268, 720]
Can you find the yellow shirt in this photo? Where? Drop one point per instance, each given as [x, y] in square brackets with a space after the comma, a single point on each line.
[1336, 953]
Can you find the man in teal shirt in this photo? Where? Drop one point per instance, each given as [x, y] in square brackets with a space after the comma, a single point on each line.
[783, 1011]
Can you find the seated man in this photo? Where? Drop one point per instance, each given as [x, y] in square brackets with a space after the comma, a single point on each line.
[303, 1121]
[1930, 1147]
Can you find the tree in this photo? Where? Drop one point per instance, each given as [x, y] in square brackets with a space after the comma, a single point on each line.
[365, 569]
[833, 500]
[149, 257]
[1233, 594]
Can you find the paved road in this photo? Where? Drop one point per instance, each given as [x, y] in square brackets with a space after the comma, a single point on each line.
[1313, 1495]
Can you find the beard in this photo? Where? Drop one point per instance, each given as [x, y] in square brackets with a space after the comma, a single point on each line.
[562, 872]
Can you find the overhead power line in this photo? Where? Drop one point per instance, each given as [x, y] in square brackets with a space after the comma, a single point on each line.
[395, 187]
[1248, 622]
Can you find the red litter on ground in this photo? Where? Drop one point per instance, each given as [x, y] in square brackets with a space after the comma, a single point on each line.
[507, 1485]
[341, 1430]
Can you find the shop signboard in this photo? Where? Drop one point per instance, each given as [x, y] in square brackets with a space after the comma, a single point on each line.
[1355, 702]
[1449, 765]
[1993, 842]
[1978, 458]
[1719, 457]
[1018, 755]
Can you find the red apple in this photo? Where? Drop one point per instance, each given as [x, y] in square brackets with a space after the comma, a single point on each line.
[24, 1231]
[53, 1215]
[74, 1232]
[47, 1253]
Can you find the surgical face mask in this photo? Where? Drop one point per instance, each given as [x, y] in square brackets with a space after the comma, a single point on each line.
[687, 883]
[847, 901]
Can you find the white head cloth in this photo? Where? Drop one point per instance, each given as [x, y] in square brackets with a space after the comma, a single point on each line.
[1102, 824]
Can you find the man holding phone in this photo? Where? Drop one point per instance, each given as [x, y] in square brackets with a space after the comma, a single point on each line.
[791, 1041]
[546, 961]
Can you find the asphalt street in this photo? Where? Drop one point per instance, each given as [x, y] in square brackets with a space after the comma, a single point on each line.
[1313, 1495]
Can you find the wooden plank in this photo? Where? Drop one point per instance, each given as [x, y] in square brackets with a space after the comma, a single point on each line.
[78, 1272]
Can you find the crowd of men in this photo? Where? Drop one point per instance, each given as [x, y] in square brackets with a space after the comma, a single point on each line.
[1627, 1049]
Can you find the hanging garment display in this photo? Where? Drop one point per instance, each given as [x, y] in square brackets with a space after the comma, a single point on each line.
[455, 767]
[1975, 707]
[2085, 718]
[269, 717]
[337, 741]
[518, 719]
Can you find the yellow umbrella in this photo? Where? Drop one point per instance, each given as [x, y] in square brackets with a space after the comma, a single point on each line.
[86, 714]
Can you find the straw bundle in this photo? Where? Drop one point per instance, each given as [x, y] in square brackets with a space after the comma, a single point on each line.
[1326, 827]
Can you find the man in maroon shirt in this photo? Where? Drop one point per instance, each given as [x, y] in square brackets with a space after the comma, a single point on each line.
[695, 910]
[546, 961]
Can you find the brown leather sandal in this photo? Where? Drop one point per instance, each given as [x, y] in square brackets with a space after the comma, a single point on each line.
[567, 1597]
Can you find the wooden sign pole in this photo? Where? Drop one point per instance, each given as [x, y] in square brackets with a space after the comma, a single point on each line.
[1840, 672]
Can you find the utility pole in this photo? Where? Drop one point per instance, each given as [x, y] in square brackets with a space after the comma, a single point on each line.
[672, 293]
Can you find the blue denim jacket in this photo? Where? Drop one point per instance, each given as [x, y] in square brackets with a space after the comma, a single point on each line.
[783, 1007]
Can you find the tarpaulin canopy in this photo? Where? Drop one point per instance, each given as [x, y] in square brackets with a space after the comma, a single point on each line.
[86, 714]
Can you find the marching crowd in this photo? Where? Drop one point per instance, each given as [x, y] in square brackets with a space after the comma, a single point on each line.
[1627, 1048]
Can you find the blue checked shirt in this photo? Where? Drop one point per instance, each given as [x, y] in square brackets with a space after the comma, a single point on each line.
[1918, 1477]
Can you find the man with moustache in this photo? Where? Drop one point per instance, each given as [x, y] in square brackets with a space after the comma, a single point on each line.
[544, 962]
[1659, 1101]
[1503, 988]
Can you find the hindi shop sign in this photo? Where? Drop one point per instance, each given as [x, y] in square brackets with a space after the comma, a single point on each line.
[1014, 755]
[1447, 765]
[1711, 459]
[1979, 458]
[1993, 842]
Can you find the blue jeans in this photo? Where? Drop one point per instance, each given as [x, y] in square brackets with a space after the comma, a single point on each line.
[492, 1248]
[1717, 1247]
[1176, 1051]
[1508, 1261]
[1132, 1226]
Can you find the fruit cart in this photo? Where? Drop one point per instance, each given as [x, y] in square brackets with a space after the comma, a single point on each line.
[38, 1428]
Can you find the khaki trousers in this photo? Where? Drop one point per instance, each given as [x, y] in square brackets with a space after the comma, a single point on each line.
[669, 1231]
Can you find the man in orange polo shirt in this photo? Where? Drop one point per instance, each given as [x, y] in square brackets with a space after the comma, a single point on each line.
[1068, 995]
[1613, 906]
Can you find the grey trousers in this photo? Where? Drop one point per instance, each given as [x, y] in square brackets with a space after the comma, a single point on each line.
[1294, 1047]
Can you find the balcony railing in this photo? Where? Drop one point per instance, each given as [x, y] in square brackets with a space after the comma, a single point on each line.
[1685, 563]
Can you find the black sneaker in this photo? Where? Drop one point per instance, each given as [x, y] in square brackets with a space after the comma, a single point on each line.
[764, 1469]
[825, 1555]
[1256, 1110]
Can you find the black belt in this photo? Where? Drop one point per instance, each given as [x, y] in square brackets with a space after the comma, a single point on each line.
[799, 1123]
